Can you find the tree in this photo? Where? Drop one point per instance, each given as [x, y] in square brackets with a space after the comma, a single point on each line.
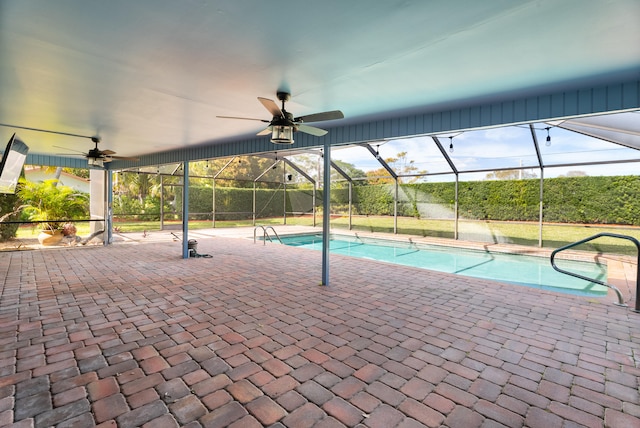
[349, 169]
[243, 170]
[379, 176]
[139, 193]
[47, 202]
[307, 163]
[141, 185]
[78, 172]
[401, 165]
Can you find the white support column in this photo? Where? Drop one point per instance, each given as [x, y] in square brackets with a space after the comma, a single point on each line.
[100, 203]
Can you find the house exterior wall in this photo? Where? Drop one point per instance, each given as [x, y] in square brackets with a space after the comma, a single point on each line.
[66, 179]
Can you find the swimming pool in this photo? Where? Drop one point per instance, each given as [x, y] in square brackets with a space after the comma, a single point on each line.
[511, 268]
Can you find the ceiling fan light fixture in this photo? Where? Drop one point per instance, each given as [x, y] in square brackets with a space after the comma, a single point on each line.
[95, 162]
[282, 134]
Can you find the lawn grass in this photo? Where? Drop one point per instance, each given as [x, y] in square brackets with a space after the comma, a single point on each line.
[521, 233]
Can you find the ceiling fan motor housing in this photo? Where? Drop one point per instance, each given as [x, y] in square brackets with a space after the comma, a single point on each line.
[94, 153]
[285, 120]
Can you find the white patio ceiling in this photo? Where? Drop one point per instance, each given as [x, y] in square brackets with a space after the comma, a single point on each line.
[151, 76]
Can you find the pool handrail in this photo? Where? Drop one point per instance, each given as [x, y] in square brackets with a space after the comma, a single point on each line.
[576, 275]
[265, 234]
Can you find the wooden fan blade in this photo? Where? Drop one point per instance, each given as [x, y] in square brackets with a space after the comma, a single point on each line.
[243, 118]
[108, 152]
[318, 117]
[271, 106]
[311, 130]
[265, 131]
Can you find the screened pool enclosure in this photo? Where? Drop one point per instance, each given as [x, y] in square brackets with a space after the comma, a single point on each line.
[520, 184]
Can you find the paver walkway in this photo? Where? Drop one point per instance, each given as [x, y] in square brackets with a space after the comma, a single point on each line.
[133, 335]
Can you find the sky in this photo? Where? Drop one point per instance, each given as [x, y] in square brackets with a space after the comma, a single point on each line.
[505, 147]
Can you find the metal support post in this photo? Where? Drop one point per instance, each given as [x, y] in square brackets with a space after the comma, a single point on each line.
[185, 210]
[326, 212]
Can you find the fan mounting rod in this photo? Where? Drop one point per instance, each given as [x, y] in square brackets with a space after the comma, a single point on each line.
[284, 97]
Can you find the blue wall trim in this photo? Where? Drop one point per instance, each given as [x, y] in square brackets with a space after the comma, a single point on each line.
[51, 160]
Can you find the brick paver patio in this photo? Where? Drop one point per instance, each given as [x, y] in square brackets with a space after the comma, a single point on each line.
[133, 335]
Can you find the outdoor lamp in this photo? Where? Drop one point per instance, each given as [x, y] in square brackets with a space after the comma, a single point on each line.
[548, 143]
[282, 134]
[95, 162]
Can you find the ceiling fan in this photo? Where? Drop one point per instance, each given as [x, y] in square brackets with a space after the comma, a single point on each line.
[284, 124]
[97, 157]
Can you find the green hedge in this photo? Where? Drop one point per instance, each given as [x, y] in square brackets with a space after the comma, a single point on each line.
[238, 202]
[594, 200]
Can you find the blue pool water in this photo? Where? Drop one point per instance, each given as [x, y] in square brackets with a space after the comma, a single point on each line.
[512, 268]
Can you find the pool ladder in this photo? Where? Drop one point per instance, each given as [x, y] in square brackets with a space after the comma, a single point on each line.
[620, 301]
[265, 234]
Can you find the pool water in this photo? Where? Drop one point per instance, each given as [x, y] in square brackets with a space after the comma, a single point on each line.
[511, 268]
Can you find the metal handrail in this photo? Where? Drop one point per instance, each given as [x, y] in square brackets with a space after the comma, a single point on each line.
[265, 234]
[274, 232]
[591, 238]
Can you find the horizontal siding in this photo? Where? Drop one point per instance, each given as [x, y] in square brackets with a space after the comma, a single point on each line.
[50, 160]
